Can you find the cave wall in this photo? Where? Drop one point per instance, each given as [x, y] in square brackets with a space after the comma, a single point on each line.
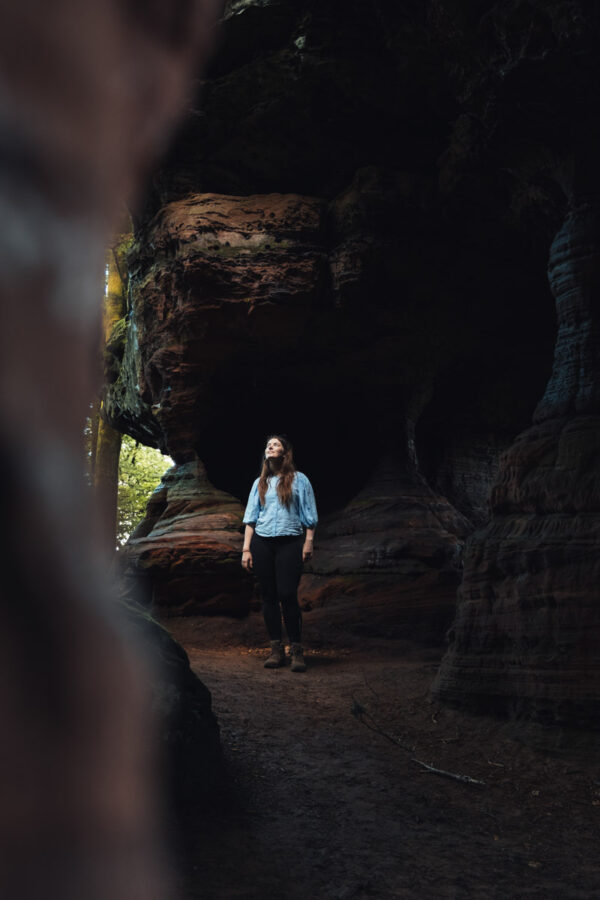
[525, 641]
[348, 240]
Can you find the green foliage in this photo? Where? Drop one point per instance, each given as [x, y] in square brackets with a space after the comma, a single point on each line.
[140, 471]
[87, 443]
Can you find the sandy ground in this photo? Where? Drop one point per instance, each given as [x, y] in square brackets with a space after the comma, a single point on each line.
[322, 804]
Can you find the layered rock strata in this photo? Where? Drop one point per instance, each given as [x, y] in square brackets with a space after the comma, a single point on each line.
[525, 640]
[247, 311]
[247, 314]
[389, 562]
[215, 282]
[187, 550]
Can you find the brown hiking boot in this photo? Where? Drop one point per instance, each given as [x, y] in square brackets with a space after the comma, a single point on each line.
[276, 657]
[298, 664]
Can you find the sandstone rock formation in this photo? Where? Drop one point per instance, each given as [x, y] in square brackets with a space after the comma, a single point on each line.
[525, 641]
[188, 547]
[249, 313]
[405, 316]
[190, 762]
[389, 562]
[214, 282]
[525, 638]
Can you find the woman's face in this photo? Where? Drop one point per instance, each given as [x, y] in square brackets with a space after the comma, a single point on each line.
[274, 448]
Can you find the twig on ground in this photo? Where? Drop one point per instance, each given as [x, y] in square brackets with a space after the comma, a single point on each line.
[358, 710]
[465, 778]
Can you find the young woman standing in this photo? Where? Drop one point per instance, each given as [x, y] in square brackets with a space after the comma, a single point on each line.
[280, 518]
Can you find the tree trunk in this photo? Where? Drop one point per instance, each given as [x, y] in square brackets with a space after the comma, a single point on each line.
[106, 442]
[106, 479]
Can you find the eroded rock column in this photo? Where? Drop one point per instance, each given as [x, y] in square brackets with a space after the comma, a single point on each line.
[189, 545]
[527, 629]
[389, 562]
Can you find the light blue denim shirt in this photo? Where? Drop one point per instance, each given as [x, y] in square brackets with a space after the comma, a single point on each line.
[274, 519]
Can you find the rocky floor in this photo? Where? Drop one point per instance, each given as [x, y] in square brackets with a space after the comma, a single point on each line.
[325, 799]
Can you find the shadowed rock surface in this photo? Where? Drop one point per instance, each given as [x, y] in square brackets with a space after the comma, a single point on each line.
[285, 307]
[525, 640]
[188, 547]
[526, 637]
[389, 561]
[190, 750]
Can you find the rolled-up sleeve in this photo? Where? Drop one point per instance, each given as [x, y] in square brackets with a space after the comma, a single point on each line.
[253, 506]
[308, 504]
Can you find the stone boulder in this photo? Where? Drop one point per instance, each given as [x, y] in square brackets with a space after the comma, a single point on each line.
[188, 732]
[389, 562]
[187, 550]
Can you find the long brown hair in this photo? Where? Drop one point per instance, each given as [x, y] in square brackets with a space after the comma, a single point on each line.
[286, 473]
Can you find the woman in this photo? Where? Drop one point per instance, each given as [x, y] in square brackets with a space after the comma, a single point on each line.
[280, 506]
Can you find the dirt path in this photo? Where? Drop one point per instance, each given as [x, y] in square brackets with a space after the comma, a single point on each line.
[323, 807]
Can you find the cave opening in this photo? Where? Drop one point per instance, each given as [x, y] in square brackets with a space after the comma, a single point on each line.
[334, 437]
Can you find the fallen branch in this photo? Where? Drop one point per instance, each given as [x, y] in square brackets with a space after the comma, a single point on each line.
[358, 710]
[465, 778]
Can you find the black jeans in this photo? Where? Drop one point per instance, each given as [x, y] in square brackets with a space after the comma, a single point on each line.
[277, 564]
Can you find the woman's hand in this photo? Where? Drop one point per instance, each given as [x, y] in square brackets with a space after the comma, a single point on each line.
[307, 550]
[247, 560]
